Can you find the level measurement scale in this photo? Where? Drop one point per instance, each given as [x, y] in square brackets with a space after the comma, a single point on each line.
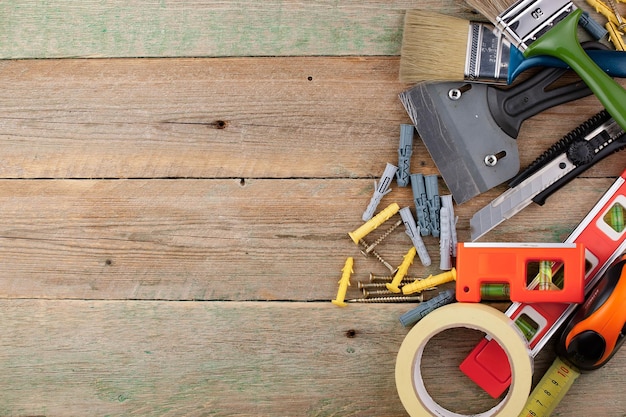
[550, 390]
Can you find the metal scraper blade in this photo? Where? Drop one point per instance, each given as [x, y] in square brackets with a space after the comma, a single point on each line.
[473, 154]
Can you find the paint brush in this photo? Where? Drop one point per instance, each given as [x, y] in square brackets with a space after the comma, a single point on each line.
[612, 62]
[473, 50]
[548, 27]
[476, 51]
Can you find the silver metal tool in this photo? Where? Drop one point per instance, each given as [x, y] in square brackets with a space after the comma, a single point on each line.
[470, 129]
[592, 141]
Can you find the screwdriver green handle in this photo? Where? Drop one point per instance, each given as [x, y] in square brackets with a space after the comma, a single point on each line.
[561, 42]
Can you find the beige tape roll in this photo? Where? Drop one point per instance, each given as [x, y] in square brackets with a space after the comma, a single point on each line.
[410, 385]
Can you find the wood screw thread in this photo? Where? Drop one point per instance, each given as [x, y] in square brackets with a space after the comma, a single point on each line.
[381, 238]
[380, 281]
[377, 279]
[377, 256]
[377, 293]
[399, 299]
[620, 20]
[378, 285]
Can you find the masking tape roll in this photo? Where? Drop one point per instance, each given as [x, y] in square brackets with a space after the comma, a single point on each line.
[410, 385]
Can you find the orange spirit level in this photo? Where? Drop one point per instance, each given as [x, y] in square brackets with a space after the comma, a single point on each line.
[490, 263]
[603, 232]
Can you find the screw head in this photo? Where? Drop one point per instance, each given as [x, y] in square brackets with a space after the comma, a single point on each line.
[454, 94]
[491, 160]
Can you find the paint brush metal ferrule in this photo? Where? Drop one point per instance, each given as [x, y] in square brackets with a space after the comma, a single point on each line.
[527, 20]
[488, 54]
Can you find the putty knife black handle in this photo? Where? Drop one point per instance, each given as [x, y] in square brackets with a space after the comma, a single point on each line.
[510, 107]
[615, 146]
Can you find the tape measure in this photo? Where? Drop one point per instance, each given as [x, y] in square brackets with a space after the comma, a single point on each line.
[590, 339]
[557, 380]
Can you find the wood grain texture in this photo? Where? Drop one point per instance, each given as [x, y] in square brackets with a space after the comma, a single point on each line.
[219, 239]
[231, 359]
[223, 118]
[171, 230]
[208, 28]
[36, 29]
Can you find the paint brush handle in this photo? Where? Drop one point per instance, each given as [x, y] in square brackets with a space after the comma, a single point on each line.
[561, 42]
[612, 62]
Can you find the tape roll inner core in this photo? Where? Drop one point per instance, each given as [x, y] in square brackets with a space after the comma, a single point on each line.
[410, 384]
[440, 359]
[426, 397]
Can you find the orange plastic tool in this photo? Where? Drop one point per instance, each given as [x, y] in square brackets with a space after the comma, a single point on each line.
[598, 328]
[486, 263]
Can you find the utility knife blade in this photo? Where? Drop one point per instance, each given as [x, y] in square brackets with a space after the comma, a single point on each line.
[580, 149]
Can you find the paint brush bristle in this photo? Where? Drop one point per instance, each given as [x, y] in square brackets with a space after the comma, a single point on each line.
[434, 47]
[491, 9]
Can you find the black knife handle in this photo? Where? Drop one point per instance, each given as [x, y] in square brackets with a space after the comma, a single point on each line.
[615, 146]
[512, 106]
[561, 146]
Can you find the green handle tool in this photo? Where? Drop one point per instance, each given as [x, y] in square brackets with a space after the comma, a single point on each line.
[562, 42]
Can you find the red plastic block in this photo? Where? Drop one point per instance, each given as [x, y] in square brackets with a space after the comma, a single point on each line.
[603, 245]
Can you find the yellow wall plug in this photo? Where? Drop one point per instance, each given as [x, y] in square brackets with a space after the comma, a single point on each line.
[615, 36]
[393, 286]
[621, 24]
[344, 282]
[431, 281]
[374, 222]
[605, 11]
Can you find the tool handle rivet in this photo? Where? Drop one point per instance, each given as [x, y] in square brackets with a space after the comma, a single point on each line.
[491, 160]
[454, 94]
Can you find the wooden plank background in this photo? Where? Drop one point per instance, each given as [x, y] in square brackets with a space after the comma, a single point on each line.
[173, 214]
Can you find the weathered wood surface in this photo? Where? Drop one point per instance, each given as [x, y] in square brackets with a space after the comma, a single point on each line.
[205, 28]
[35, 29]
[218, 239]
[234, 359]
[222, 118]
[171, 230]
[95, 29]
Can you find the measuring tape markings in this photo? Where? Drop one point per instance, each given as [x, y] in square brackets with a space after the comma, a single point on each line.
[602, 250]
[588, 341]
[410, 385]
[603, 245]
[550, 390]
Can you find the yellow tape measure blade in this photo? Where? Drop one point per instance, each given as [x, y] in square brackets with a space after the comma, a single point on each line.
[550, 390]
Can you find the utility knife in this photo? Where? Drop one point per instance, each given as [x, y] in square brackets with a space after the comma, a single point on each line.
[576, 152]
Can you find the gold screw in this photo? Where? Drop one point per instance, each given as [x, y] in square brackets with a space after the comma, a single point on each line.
[377, 256]
[377, 279]
[620, 20]
[377, 293]
[371, 247]
[399, 299]
[377, 285]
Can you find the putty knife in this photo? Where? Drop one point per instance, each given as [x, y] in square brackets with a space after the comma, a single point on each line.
[470, 129]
